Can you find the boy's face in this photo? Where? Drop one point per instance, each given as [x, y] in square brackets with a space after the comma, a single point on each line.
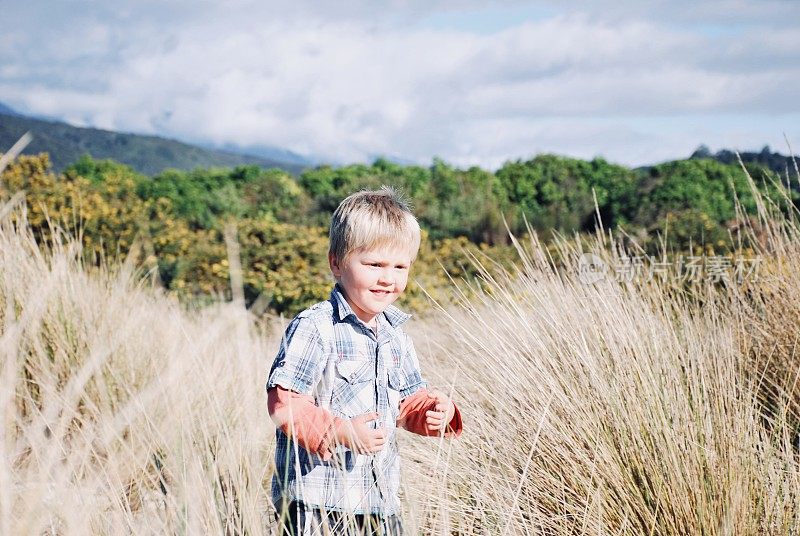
[372, 279]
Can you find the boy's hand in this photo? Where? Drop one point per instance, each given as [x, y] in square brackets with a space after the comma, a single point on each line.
[442, 413]
[356, 434]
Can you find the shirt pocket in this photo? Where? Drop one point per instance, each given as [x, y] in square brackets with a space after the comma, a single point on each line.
[354, 386]
[396, 385]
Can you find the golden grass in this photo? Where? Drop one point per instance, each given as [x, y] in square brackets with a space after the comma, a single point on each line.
[606, 408]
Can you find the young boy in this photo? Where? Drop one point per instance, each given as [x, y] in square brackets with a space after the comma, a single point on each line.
[346, 377]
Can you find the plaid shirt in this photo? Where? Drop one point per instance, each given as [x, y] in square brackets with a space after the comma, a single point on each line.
[327, 352]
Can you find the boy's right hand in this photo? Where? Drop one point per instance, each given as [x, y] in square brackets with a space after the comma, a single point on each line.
[356, 434]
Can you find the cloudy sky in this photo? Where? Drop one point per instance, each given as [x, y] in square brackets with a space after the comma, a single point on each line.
[472, 82]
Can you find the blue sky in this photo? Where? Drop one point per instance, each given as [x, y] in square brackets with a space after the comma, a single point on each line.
[472, 82]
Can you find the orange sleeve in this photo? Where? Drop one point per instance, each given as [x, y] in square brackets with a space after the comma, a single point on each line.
[412, 415]
[299, 418]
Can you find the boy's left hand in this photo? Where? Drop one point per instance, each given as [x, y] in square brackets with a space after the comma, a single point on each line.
[438, 418]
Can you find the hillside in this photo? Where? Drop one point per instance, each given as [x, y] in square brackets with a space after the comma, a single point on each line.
[148, 155]
[5, 110]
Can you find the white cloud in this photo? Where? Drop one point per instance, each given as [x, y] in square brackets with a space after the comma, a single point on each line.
[367, 80]
[691, 12]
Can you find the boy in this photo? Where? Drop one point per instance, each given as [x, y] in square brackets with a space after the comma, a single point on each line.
[346, 377]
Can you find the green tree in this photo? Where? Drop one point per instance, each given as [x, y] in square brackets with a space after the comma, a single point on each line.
[200, 197]
[276, 195]
[555, 193]
[701, 192]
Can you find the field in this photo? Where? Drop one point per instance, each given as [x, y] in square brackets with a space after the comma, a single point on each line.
[658, 406]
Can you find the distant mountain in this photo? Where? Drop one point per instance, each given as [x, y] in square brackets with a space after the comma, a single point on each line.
[776, 162]
[148, 155]
[5, 110]
[269, 153]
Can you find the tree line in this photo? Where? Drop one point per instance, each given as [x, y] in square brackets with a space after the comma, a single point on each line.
[179, 217]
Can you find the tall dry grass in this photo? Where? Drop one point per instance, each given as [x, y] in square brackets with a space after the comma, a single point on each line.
[607, 408]
[124, 413]
[641, 407]
[613, 410]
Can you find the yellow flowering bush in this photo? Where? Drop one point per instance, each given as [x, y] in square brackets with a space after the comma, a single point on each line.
[107, 215]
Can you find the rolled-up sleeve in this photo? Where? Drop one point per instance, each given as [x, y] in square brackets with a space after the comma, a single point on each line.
[296, 415]
[301, 358]
[413, 415]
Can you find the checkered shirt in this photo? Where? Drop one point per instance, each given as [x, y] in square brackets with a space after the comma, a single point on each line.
[327, 352]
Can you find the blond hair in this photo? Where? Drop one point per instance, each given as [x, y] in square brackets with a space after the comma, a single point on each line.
[372, 219]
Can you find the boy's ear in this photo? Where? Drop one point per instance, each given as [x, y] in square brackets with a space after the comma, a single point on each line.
[333, 262]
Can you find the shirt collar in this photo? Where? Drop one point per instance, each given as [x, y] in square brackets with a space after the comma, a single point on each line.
[392, 314]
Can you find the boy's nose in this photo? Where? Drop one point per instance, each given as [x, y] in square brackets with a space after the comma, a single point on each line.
[385, 277]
